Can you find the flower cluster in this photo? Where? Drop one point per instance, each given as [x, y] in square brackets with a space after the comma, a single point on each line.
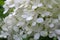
[31, 18]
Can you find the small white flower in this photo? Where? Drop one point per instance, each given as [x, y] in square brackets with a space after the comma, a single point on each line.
[57, 31]
[16, 29]
[29, 32]
[10, 20]
[58, 37]
[34, 24]
[34, 7]
[5, 11]
[52, 35]
[43, 15]
[24, 16]
[36, 36]
[43, 33]
[20, 23]
[16, 37]
[24, 36]
[46, 13]
[40, 5]
[39, 20]
[3, 36]
[4, 27]
[51, 25]
[29, 18]
[11, 6]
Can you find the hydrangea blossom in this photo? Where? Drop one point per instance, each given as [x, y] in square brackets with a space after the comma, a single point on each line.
[31, 18]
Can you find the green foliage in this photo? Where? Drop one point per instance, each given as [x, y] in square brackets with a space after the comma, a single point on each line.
[1, 2]
[42, 38]
[1, 14]
[2, 9]
[3, 39]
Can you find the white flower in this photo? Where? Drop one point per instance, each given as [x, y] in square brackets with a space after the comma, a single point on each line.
[16, 29]
[16, 37]
[46, 13]
[58, 37]
[36, 17]
[51, 25]
[36, 36]
[24, 36]
[34, 24]
[57, 31]
[21, 23]
[6, 9]
[24, 16]
[52, 34]
[39, 20]
[40, 5]
[3, 36]
[11, 6]
[10, 20]
[29, 32]
[34, 7]
[29, 18]
[43, 33]
[4, 27]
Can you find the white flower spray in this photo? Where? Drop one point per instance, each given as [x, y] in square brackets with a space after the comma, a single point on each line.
[31, 18]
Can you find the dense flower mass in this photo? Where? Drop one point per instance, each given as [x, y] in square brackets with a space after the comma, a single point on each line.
[31, 18]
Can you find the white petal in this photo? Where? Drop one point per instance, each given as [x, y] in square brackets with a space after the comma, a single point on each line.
[39, 20]
[34, 7]
[12, 5]
[24, 16]
[40, 5]
[58, 37]
[51, 35]
[43, 33]
[5, 11]
[51, 25]
[57, 31]
[29, 18]
[15, 28]
[34, 24]
[16, 37]
[29, 32]
[36, 36]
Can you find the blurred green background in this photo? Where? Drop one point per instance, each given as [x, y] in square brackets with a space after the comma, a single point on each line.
[1, 14]
[1, 9]
[4, 15]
